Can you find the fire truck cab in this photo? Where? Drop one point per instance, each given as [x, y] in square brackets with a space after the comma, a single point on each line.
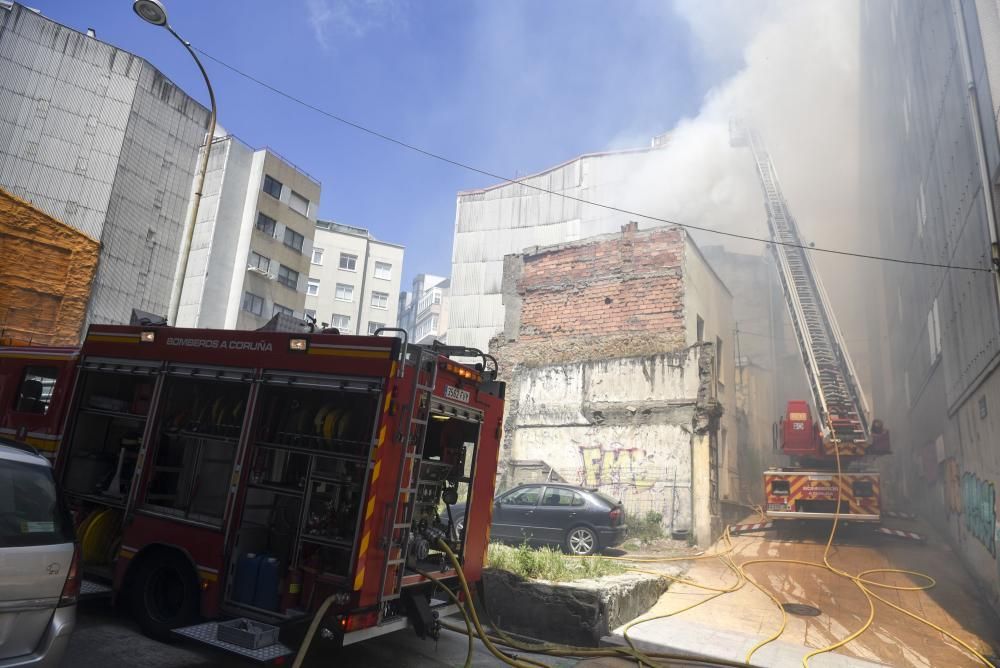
[262, 476]
[812, 488]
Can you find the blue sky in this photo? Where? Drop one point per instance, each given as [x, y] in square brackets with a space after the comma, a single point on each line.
[511, 86]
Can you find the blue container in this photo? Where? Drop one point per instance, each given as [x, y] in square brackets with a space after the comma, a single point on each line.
[245, 585]
[267, 593]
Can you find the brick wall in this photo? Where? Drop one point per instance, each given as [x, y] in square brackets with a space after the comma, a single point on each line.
[46, 271]
[612, 296]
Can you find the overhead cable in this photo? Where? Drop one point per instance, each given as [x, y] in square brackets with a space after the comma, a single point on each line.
[609, 207]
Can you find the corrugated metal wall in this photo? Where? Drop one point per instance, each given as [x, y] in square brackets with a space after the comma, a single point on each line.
[509, 218]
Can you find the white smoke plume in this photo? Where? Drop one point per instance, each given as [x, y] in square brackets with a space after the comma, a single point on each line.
[796, 80]
[797, 84]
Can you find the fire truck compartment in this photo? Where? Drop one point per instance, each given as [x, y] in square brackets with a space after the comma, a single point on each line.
[113, 407]
[307, 462]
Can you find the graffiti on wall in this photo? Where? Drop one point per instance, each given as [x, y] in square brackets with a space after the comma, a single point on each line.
[615, 466]
[979, 504]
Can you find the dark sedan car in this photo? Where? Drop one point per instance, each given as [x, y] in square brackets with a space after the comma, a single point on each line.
[582, 521]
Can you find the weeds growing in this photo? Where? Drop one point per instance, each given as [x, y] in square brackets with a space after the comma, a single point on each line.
[548, 563]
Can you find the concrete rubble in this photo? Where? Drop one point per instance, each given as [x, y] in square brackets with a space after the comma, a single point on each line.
[575, 613]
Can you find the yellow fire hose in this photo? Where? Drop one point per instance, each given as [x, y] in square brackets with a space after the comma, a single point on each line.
[493, 642]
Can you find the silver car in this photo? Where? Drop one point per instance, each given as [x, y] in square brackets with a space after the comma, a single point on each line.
[39, 562]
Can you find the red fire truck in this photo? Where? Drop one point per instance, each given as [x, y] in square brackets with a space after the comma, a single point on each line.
[249, 478]
[832, 472]
[811, 488]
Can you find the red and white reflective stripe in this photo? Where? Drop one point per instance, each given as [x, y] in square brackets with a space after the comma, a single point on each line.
[743, 528]
[897, 533]
[898, 515]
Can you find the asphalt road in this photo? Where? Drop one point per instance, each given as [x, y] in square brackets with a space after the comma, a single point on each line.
[105, 638]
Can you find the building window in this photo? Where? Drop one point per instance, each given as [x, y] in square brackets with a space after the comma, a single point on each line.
[312, 288]
[375, 326]
[934, 331]
[282, 310]
[348, 262]
[265, 224]
[383, 270]
[288, 277]
[344, 293]
[293, 239]
[252, 303]
[272, 187]
[341, 322]
[426, 327]
[259, 262]
[317, 256]
[310, 314]
[380, 300]
[298, 203]
[718, 360]
[700, 329]
[430, 298]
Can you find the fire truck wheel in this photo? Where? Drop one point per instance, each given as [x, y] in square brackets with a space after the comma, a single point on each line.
[164, 595]
[581, 541]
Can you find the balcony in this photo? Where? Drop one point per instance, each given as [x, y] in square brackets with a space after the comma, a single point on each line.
[430, 299]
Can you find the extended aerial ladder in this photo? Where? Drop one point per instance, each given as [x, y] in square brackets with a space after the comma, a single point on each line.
[842, 426]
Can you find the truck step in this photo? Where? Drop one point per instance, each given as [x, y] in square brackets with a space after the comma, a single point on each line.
[747, 528]
[94, 589]
[899, 533]
[206, 635]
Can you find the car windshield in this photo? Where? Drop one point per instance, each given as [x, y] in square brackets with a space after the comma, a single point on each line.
[31, 512]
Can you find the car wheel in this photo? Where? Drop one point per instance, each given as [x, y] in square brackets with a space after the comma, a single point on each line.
[581, 541]
[164, 595]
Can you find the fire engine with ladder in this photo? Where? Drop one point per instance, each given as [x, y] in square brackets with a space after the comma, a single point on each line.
[263, 490]
[841, 426]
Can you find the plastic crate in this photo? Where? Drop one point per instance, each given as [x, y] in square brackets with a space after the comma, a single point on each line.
[247, 633]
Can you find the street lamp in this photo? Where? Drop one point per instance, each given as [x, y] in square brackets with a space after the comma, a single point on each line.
[152, 11]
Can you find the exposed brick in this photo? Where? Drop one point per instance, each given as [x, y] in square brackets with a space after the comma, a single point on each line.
[612, 296]
[46, 270]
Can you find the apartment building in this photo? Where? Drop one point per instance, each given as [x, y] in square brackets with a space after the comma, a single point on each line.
[930, 156]
[423, 312]
[354, 279]
[253, 240]
[99, 139]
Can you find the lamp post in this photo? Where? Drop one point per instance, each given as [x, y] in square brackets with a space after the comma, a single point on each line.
[152, 11]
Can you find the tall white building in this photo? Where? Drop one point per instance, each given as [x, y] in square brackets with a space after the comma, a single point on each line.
[509, 217]
[99, 139]
[423, 312]
[253, 240]
[353, 280]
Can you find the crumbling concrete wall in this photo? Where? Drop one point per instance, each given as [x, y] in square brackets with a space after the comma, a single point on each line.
[46, 272]
[634, 428]
[576, 613]
[609, 381]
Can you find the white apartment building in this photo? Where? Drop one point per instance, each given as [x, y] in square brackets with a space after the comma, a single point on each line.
[253, 240]
[423, 312]
[354, 279]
